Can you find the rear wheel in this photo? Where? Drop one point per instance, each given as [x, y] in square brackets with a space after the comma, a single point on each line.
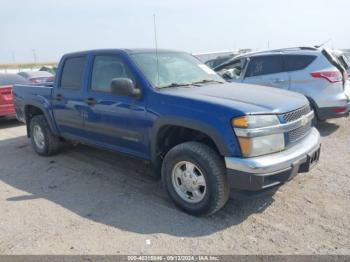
[43, 141]
[195, 178]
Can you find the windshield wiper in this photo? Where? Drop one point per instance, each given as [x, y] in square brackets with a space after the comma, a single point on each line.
[207, 81]
[174, 85]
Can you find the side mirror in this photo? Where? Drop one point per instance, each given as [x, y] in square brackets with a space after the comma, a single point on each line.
[124, 87]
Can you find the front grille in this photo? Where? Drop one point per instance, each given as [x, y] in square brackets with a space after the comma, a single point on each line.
[300, 132]
[294, 115]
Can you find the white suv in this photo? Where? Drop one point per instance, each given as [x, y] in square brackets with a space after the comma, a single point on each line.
[314, 72]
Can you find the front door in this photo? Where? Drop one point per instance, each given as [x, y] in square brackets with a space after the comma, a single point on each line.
[111, 121]
[267, 70]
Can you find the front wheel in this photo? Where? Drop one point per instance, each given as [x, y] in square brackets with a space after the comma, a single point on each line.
[195, 178]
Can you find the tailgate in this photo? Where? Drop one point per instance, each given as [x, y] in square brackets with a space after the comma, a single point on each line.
[6, 97]
[335, 62]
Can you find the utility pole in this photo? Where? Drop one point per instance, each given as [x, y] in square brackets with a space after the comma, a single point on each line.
[13, 57]
[34, 56]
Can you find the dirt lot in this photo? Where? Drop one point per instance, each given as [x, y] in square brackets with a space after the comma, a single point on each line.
[91, 201]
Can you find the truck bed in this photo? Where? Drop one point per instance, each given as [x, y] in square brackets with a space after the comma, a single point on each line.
[31, 95]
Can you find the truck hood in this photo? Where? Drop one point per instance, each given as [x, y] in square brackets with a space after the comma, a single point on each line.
[244, 97]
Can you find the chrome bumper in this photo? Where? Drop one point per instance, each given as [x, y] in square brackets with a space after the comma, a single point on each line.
[278, 162]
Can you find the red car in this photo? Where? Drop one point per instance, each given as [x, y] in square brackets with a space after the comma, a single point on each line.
[6, 99]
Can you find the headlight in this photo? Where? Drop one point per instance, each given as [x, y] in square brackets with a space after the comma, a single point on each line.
[258, 145]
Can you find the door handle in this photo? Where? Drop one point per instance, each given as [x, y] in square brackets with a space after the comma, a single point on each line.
[90, 101]
[59, 97]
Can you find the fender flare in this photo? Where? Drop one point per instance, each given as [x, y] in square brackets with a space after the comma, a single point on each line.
[187, 123]
[47, 114]
[313, 106]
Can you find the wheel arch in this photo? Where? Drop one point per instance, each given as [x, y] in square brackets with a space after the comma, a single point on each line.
[189, 124]
[313, 106]
[31, 110]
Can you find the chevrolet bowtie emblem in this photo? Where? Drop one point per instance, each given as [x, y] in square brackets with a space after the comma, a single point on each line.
[303, 121]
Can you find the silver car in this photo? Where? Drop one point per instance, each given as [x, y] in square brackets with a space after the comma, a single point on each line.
[314, 72]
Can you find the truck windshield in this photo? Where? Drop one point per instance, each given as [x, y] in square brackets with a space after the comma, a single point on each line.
[173, 69]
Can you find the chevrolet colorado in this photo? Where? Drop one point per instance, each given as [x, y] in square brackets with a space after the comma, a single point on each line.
[202, 136]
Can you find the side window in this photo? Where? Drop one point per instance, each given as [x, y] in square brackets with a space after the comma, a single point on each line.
[298, 62]
[72, 73]
[265, 65]
[232, 70]
[105, 68]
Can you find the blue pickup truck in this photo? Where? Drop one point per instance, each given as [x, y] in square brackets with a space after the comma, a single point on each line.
[201, 135]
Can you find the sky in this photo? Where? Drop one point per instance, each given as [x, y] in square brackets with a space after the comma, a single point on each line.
[46, 29]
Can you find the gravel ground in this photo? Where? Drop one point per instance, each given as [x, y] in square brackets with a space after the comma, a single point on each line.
[88, 201]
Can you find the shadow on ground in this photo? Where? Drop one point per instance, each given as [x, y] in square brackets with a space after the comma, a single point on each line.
[9, 122]
[113, 190]
[327, 128]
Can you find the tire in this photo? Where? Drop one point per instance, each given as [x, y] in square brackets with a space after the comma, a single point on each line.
[315, 121]
[43, 141]
[208, 165]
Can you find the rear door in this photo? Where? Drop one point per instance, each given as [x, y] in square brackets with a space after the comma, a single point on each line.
[267, 70]
[68, 96]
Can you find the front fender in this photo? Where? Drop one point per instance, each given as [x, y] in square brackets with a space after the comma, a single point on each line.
[210, 131]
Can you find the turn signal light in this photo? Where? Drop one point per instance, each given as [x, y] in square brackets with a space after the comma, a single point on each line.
[240, 122]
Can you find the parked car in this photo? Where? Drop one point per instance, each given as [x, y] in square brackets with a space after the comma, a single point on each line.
[314, 72]
[36, 77]
[6, 100]
[201, 134]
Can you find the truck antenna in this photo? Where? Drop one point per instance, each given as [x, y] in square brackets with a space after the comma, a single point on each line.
[156, 46]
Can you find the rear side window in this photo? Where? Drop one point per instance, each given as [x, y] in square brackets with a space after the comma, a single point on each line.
[72, 73]
[298, 62]
[264, 65]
